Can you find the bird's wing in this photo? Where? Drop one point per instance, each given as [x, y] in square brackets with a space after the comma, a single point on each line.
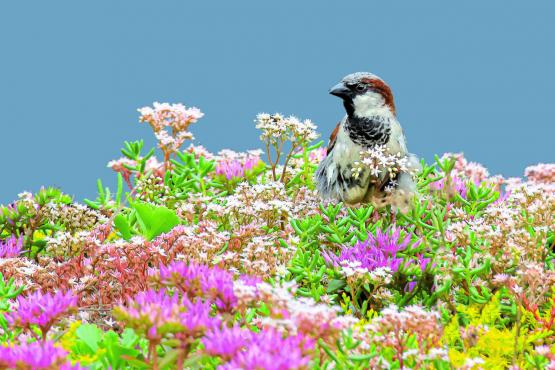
[333, 138]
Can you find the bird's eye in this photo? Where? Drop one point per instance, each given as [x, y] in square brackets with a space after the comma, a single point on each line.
[360, 87]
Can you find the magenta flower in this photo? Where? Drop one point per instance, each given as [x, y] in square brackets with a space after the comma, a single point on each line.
[196, 280]
[156, 314]
[196, 320]
[11, 247]
[376, 251]
[152, 313]
[233, 168]
[41, 310]
[268, 349]
[36, 355]
[226, 342]
[250, 280]
[458, 184]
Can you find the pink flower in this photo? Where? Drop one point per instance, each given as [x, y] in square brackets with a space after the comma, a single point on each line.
[458, 184]
[36, 355]
[226, 342]
[196, 280]
[376, 251]
[234, 168]
[11, 248]
[41, 310]
[175, 116]
[157, 314]
[269, 349]
[542, 173]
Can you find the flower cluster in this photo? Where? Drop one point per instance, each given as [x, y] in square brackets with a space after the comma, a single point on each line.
[465, 169]
[35, 355]
[230, 261]
[268, 203]
[377, 160]
[275, 127]
[65, 244]
[234, 165]
[395, 329]
[278, 130]
[130, 167]
[11, 247]
[196, 280]
[267, 349]
[542, 172]
[379, 251]
[75, 217]
[532, 284]
[156, 314]
[174, 117]
[42, 310]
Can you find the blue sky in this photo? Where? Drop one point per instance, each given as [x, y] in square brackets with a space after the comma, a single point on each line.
[473, 76]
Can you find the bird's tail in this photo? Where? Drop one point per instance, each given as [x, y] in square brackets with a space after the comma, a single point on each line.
[326, 179]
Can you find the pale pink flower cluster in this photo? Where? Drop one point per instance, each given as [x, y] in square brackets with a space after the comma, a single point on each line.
[27, 273]
[503, 227]
[123, 165]
[275, 127]
[249, 250]
[305, 202]
[531, 285]
[293, 315]
[165, 115]
[542, 172]
[395, 328]
[170, 123]
[199, 151]
[465, 169]
[264, 203]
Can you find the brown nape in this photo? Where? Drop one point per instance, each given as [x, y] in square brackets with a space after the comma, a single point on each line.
[384, 90]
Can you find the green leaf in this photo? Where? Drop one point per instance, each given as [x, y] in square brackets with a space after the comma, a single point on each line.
[335, 284]
[91, 335]
[154, 220]
[121, 223]
[129, 338]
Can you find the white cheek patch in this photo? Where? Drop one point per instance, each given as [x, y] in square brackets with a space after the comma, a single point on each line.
[366, 104]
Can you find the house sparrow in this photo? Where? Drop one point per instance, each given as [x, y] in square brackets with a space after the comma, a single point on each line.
[370, 122]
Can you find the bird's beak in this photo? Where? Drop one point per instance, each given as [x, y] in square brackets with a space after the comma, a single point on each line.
[341, 91]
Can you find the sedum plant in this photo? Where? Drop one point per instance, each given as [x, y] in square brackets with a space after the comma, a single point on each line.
[231, 260]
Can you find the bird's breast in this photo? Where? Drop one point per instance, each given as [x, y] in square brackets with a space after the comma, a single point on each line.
[396, 142]
[369, 131]
[346, 151]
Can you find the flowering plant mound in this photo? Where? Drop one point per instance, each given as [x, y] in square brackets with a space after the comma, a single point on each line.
[232, 261]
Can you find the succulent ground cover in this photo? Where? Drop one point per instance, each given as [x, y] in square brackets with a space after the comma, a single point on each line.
[232, 261]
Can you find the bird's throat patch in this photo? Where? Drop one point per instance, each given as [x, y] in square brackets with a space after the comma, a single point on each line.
[368, 131]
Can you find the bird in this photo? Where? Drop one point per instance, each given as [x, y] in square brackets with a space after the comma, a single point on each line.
[370, 122]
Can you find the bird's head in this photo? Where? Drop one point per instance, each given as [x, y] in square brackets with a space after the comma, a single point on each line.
[364, 94]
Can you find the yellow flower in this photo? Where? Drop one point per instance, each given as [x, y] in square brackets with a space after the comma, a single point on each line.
[68, 339]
